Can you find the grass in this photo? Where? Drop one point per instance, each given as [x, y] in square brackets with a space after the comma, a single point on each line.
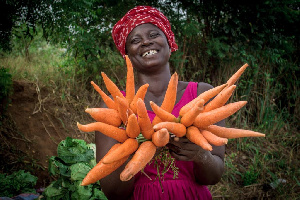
[255, 168]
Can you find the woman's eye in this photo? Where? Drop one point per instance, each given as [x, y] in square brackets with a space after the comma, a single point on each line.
[153, 35]
[135, 41]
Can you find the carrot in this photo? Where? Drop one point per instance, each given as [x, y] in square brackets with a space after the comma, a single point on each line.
[161, 137]
[203, 120]
[132, 128]
[177, 129]
[231, 133]
[105, 115]
[141, 157]
[106, 99]
[108, 130]
[220, 99]
[124, 110]
[139, 94]
[101, 170]
[213, 139]
[111, 87]
[206, 96]
[169, 98]
[189, 117]
[144, 120]
[130, 87]
[236, 75]
[124, 150]
[163, 114]
[195, 136]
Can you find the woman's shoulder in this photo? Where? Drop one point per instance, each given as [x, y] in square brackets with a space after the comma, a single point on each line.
[202, 87]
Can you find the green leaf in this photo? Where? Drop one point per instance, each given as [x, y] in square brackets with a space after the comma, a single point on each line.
[79, 171]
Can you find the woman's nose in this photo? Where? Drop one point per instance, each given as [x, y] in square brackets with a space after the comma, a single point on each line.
[147, 42]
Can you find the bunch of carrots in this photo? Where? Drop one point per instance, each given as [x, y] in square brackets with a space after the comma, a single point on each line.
[125, 119]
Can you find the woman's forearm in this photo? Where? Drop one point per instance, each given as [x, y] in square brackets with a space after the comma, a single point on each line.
[114, 188]
[208, 168]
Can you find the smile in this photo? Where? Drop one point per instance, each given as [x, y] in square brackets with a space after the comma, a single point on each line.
[151, 52]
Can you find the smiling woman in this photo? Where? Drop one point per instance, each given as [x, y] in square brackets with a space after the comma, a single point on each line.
[145, 35]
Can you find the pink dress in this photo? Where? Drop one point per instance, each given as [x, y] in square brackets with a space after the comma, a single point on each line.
[182, 188]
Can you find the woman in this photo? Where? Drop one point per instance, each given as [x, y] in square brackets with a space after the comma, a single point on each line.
[144, 34]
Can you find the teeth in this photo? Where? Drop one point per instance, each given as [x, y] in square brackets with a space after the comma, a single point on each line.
[151, 52]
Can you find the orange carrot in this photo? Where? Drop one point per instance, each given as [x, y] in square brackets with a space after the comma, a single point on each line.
[206, 96]
[220, 99]
[189, 117]
[161, 137]
[130, 87]
[195, 136]
[108, 130]
[101, 170]
[132, 128]
[106, 99]
[213, 139]
[169, 98]
[123, 108]
[111, 87]
[177, 129]
[144, 120]
[139, 94]
[203, 120]
[124, 150]
[232, 132]
[163, 114]
[105, 115]
[236, 75]
[141, 157]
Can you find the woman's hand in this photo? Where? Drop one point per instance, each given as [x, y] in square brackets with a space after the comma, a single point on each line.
[185, 150]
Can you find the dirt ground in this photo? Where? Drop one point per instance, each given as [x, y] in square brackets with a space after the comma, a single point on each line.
[34, 125]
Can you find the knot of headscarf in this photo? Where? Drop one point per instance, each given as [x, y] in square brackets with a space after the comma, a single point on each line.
[137, 16]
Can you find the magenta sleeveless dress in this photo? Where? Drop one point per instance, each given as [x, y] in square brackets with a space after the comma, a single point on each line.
[182, 188]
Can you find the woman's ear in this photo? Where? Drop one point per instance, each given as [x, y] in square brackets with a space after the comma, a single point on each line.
[170, 51]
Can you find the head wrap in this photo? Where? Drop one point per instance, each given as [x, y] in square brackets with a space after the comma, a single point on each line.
[137, 16]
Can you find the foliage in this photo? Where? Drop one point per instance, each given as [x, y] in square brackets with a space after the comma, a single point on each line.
[16, 183]
[5, 88]
[75, 159]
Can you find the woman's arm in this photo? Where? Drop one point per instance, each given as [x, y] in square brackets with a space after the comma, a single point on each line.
[111, 185]
[208, 166]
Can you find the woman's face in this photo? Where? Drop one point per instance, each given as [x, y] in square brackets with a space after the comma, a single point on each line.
[147, 47]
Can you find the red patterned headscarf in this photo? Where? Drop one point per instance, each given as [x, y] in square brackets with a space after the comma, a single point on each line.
[137, 16]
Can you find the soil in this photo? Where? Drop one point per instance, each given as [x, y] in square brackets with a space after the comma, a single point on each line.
[33, 126]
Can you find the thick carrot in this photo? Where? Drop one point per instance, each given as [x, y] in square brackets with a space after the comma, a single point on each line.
[108, 130]
[141, 157]
[195, 136]
[101, 170]
[220, 99]
[189, 117]
[177, 129]
[111, 87]
[125, 149]
[213, 139]
[130, 87]
[144, 120]
[206, 96]
[163, 114]
[233, 132]
[105, 115]
[161, 137]
[169, 98]
[236, 75]
[205, 119]
[139, 94]
[124, 110]
[106, 99]
[132, 128]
